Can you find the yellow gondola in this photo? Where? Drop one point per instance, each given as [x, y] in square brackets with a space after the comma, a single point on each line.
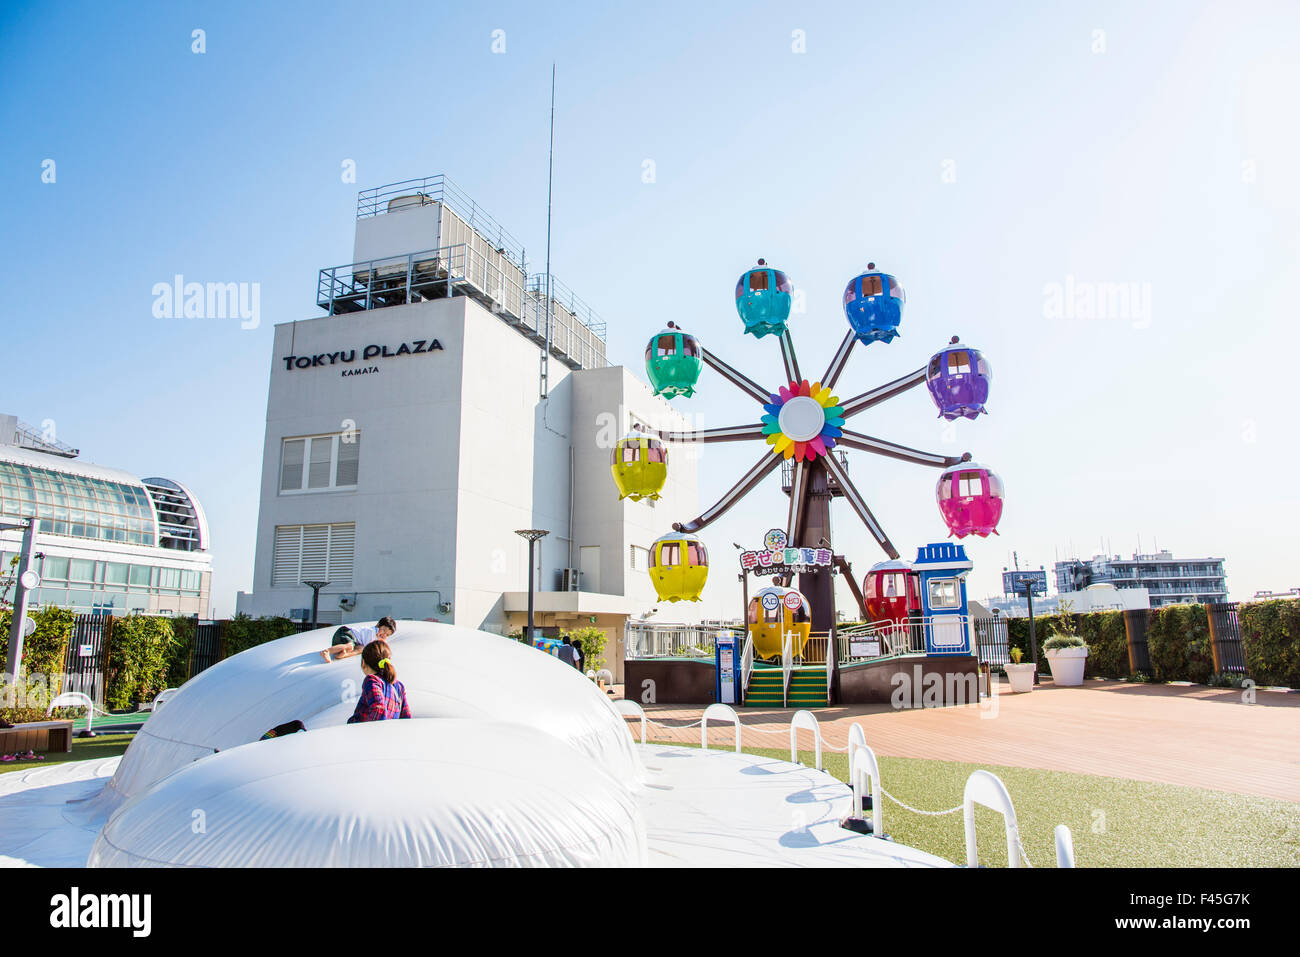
[679, 567]
[639, 465]
[773, 612]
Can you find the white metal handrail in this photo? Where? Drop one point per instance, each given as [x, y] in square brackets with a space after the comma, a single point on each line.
[863, 765]
[746, 663]
[634, 710]
[787, 667]
[722, 712]
[659, 640]
[1064, 846]
[162, 698]
[74, 699]
[805, 719]
[986, 788]
[906, 637]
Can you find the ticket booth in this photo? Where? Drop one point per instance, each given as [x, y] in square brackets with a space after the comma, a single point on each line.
[942, 569]
[727, 686]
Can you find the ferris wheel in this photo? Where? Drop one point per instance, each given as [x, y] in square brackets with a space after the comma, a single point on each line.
[804, 426]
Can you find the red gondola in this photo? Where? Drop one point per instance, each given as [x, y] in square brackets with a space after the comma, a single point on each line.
[892, 592]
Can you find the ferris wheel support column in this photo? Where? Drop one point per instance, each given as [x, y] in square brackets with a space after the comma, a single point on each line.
[795, 521]
[815, 532]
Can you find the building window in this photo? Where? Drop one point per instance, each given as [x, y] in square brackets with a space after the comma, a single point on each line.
[944, 593]
[313, 553]
[639, 557]
[319, 463]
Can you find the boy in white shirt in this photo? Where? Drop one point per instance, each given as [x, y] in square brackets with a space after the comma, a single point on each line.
[350, 639]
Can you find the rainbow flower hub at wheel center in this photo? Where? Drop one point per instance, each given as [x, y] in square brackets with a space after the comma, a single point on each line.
[803, 421]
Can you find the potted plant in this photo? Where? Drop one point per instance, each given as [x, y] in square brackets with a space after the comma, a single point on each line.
[1067, 653]
[1020, 675]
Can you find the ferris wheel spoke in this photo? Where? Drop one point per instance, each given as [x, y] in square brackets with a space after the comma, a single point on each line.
[798, 486]
[738, 491]
[788, 357]
[879, 394]
[731, 433]
[867, 443]
[859, 505]
[737, 378]
[840, 361]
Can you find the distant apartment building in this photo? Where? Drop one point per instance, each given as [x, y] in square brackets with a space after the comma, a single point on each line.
[1168, 580]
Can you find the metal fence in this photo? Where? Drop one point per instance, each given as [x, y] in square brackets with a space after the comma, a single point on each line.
[1136, 622]
[991, 640]
[1225, 636]
[670, 641]
[881, 639]
[206, 649]
[87, 657]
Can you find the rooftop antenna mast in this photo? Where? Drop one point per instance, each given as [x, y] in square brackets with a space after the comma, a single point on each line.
[544, 383]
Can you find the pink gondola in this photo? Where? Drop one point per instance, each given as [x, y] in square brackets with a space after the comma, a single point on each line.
[970, 499]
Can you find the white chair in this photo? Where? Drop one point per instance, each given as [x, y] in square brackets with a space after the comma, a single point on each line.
[720, 712]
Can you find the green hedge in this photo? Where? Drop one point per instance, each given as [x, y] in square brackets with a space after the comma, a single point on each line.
[1178, 640]
[178, 653]
[140, 653]
[243, 632]
[1270, 635]
[1107, 643]
[44, 652]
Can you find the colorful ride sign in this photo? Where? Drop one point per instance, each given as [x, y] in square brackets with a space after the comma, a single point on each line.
[777, 559]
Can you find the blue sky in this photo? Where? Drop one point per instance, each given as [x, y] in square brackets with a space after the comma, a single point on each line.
[979, 154]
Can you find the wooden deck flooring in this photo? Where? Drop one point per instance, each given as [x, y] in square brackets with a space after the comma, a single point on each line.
[1196, 736]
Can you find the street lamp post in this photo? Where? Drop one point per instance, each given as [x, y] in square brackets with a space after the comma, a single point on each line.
[1033, 640]
[744, 596]
[26, 580]
[533, 535]
[315, 587]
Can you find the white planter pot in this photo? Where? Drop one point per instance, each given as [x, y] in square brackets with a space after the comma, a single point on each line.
[1020, 676]
[1067, 665]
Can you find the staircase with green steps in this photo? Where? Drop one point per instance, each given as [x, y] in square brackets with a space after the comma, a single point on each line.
[807, 688]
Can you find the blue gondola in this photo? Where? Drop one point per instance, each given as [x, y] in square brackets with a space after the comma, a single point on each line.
[763, 300]
[873, 304]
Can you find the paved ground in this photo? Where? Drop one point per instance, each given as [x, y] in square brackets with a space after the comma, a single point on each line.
[1190, 735]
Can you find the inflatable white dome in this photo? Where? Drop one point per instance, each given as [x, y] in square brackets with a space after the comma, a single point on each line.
[448, 672]
[449, 793]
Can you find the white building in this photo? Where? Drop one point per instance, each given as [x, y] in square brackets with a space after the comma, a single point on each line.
[106, 541]
[1100, 597]
[407, 439]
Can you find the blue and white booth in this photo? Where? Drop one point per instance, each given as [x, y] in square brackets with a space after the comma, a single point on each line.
[942, 568]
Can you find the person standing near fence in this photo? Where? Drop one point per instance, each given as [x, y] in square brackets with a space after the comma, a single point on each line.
[581, 662]
[566, 652]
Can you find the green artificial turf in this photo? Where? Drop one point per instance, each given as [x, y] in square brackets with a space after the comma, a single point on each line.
[1115, 822]
[83, 749]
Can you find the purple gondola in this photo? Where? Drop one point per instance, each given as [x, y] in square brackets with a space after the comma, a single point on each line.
[958, 378]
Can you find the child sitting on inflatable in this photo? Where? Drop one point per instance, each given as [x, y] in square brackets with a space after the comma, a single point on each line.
[350, 639]
[383, 697]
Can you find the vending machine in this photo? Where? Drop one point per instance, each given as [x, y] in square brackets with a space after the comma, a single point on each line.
[727, 686]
